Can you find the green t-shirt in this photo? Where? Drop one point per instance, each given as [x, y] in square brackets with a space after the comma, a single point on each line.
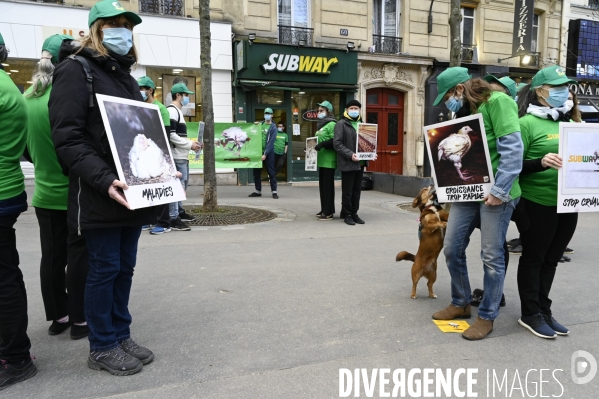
[326, 158]
[500, 116]
[540, 137]
[280, 142]
[13, 133]
[51, 186]
[166, 118]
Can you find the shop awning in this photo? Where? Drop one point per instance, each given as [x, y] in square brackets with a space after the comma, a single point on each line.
[248, 85]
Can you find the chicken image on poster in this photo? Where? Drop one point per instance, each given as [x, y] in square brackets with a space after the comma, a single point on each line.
[311, 154]
[578, 179]
[366, 143]
[459, 159]
[141, 151]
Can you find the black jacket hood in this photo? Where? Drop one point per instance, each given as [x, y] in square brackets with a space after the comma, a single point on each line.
[74, 47]
[322, 122]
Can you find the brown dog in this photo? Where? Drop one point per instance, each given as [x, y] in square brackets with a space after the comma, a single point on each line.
[433, 220]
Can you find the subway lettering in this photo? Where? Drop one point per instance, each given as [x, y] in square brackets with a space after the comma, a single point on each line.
[297, 63]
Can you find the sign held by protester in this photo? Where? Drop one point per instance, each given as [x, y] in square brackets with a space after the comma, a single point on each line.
[459, 158]
[141, 151]
[578, 179]
[366, 142]
[311, 154]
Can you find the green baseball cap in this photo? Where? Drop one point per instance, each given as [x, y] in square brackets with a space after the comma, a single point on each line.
[145, 81]
[109, 9]
[448, 79]
[506, 82]
[521, 86]
[553, 76]
[180, 88]
[1, 39]
[268, 111]
[327, 105]
[53, 43]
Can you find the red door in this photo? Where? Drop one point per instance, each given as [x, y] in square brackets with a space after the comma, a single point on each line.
[385, 108]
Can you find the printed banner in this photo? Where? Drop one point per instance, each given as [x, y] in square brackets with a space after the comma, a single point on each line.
[311, 154]
[237, 145]
[578, 179]
[459, 158]
[141, 151]
[366, 143]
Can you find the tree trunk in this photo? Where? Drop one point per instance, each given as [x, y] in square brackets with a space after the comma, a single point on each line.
[210, 197]
[455, 18]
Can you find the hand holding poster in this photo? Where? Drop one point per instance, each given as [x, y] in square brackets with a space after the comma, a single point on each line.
[578, 179]
[141, 151]
[366, 143]
[311, 154]
[459, 158]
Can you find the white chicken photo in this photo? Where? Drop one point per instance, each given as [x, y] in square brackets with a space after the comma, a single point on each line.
[147, 160]
[236, 136]
[454, 148]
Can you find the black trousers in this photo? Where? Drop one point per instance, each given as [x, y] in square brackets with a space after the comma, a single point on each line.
[543, 245]
[269, 162]
[326, 186]
[351, 189]
[279, 162]
[163, 217]
[59, 249]
[14, 342]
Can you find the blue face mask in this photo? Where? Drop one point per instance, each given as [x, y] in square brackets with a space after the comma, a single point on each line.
[144, 95]
[557, 96]
[118, 40]
[267, 117]
[280, 129]
[321, 115]
[453, 104]
[185, 101]
[353, 114]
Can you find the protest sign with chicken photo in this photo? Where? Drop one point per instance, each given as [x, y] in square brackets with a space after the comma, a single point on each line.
[141, 151]
[459, 158]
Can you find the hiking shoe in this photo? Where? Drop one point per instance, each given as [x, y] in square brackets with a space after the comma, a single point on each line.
[11, 374]
[514, 242]
[517, 249]
[78, 332]
[564, 258]
[357, 219]
[479, 330]
[57, 328]
[350, 221]
[115, 361]
[325, 217]
[160, 230]
[568, 251]
[275, 196]
[146, 227]
[179, 225]
[143, 354]
[477, 297]
[555, 326]
[186, 217]
[537, 325]
[255, 194]
[453, 312]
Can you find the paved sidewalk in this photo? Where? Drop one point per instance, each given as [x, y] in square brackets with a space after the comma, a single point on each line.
[274, 310]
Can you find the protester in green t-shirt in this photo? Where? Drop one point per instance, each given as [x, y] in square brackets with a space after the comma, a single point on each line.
[549, 232]
[326, 160]
[280, 147]
[459, 91]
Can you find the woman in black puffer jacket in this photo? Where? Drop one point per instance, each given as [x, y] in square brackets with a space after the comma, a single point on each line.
[97, 208]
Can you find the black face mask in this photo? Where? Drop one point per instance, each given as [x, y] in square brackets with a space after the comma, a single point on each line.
[464, 111]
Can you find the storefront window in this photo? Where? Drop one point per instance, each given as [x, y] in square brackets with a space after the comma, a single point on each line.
[269, 96]
[20, 72]
[165, 78]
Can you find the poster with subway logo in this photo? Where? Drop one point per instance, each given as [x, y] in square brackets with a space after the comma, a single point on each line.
[459, 159]
[236, 145]
[141, 151]
[578, 178]
[366, 143]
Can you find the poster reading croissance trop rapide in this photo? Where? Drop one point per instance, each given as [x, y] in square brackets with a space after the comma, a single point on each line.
[578, 179]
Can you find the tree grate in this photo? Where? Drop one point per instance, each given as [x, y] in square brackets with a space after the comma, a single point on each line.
[228, 215]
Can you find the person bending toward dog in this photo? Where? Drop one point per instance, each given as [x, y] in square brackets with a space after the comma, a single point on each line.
[500, 117]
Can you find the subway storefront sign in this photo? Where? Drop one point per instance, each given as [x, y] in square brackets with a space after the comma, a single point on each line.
[277, 62]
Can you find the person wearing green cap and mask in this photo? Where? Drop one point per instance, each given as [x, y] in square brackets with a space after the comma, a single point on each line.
[97, 208]
[460, 92]
[505, 85]
[549, 232]
[269, 135]
[326, 160]
[63, 294]
[16, 364]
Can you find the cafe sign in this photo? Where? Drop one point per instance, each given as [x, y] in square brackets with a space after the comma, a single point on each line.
[299, 63]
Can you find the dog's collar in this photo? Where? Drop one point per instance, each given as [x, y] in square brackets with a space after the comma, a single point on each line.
[433, 205]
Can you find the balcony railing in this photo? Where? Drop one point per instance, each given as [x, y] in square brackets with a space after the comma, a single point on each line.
[294, 35]
[386, 44]
[468, 51]
[162, 7]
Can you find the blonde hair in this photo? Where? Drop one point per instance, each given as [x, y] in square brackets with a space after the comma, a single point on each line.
[42, 77]
[94, 39]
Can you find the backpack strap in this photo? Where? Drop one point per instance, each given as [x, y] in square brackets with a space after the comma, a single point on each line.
[88, 76]
[178, 113]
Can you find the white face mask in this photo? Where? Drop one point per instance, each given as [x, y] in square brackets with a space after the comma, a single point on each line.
[569, 104]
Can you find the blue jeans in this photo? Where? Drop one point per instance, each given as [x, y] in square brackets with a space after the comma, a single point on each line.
[112, 255]
[176, 208]
[494, 221]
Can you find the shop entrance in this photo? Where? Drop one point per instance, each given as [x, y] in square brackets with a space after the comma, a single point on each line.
[385, 107]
